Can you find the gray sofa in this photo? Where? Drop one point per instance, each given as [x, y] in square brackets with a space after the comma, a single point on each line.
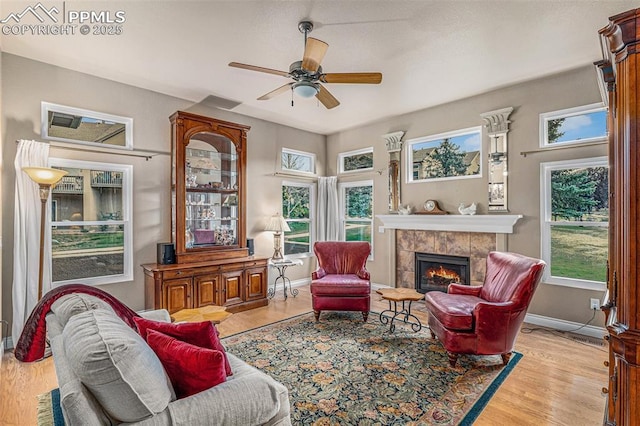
[107, 375]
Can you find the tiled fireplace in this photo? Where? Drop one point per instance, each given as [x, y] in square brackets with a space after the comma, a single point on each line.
[464, 236]
[472, 245]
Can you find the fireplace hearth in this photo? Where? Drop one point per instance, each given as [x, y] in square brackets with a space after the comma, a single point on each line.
[434, 272]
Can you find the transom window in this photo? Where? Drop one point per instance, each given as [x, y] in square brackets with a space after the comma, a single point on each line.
[574, 222]
[298, 210]
[451, 155]
[577, 125]
[91, 223]
[360, 160]
[298, 161]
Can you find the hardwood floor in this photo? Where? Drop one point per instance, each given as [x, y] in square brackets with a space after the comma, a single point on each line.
[557, 382]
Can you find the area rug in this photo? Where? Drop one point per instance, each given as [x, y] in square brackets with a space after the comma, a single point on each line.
[49, 410]
[343, 371]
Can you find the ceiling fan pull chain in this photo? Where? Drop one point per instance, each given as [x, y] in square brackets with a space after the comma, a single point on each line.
[292, 97]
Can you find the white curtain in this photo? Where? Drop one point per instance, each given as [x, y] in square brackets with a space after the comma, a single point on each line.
[328, 219]
[26, 235]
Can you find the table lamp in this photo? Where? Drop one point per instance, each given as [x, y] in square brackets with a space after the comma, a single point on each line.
[277, 225]
[46, 178]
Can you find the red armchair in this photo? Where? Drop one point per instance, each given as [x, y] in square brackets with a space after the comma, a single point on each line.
[485, 320]
[341, 282]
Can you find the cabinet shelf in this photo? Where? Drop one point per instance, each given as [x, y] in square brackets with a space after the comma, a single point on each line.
[212, 190]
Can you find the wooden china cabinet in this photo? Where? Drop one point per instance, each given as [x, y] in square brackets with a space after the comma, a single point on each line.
[208, 222]
[620, 73]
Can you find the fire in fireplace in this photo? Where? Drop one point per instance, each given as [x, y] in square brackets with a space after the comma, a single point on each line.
[437, 271]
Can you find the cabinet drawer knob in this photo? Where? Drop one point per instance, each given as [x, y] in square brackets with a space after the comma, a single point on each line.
[606, 363]
[605, 391]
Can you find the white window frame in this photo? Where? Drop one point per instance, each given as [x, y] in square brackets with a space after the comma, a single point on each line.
[566, 113]
[311, 220]
[431, 138]
[126, 221]
[46, 107]
[343, 155]
[545, 220]
[310, 155]
[342, 190]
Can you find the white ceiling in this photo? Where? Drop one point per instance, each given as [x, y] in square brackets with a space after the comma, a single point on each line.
[429, 51]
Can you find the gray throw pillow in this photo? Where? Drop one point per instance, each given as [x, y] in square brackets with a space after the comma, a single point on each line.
[116, 365]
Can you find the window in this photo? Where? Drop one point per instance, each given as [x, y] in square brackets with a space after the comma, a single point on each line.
[573, 126]
[574, 222]
[357, 211]
[356, 161]
[91, 227]
[298, 161]
[450, 155]
[298, 210]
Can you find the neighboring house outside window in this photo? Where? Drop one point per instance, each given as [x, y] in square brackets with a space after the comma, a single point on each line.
[91, 230]
[356, 211]
[574, 222]
[298, 208]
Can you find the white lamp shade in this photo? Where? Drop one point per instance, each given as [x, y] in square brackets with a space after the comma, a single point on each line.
[44, 175]
[277, 224]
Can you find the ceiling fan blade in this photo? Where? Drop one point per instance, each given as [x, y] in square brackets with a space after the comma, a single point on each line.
[314, 51]
[275, 92]
[352, 77]
[327, 98]
[259, 69]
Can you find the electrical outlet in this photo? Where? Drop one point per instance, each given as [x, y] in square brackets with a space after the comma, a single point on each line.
[594, 304]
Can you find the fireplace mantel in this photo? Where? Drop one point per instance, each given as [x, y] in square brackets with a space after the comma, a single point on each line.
[491, 223]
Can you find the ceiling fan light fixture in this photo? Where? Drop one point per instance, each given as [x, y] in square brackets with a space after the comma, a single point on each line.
[305, 89]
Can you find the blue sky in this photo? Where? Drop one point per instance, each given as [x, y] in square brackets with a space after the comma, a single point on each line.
[468, 142]
[584, 126]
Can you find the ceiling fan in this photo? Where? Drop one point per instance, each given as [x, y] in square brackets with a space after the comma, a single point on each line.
[307, 74]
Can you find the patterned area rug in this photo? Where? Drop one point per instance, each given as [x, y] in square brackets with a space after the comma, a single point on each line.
[343, 371]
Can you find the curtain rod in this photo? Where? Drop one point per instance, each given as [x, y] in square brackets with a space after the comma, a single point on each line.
[295, 176]
[555, 148]
[140, 153]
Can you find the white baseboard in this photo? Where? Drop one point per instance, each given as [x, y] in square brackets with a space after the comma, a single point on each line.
[563, 325]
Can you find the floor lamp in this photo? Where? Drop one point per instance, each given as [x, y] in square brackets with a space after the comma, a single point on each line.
[277, 225]
[46, 178]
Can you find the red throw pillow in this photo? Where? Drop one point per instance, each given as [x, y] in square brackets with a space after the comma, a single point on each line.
[190, 368]
[203, 334]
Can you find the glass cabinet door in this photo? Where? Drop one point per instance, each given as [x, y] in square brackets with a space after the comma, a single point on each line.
[211, 192]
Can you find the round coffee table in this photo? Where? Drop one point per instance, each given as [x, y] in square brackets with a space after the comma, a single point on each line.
[406, 296]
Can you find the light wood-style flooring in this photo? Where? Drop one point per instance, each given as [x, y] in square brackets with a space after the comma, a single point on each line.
[557, 382]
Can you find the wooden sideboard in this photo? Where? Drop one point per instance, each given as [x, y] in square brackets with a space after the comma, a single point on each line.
[238, 284]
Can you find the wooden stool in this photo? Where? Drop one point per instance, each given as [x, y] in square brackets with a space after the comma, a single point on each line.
[403, 295]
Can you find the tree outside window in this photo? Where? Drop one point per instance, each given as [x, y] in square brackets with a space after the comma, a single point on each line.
[357, 211]
[297, 209]
[576, 219]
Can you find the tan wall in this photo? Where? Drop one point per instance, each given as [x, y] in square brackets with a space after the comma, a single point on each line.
[25, 83]
[570, 89]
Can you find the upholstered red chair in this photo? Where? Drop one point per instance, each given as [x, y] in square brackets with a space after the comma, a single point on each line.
[485, 320]
[341, 282]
